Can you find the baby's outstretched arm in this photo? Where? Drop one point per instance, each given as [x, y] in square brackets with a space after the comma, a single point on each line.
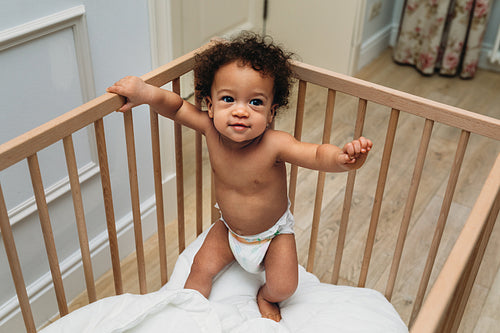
[322, 157]
[162, 101]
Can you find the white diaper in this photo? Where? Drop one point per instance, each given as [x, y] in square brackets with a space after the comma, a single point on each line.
[250, 251]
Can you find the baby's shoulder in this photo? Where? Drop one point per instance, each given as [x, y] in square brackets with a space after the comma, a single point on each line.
[277, 137]
[275, 141]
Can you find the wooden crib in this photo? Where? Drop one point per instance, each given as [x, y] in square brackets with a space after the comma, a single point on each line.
[440, 288]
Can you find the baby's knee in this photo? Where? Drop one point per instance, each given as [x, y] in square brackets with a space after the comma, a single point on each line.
[284, 289]
[288, 289]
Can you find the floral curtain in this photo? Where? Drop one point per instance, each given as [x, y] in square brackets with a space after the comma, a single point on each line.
[443, 36]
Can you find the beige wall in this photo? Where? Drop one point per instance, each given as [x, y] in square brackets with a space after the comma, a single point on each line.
[325, 33]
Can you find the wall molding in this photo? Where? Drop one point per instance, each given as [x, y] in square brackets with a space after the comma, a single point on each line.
[40, 27]
[52, 192]
[74, 19]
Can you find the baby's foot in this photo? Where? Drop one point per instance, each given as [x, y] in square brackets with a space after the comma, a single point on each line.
[267, 309]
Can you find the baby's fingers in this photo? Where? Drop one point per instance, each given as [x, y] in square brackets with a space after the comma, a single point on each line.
[124, 85]
[114, 89]
[349, 149]
[347, 159]
[354, 149]
[126, 107]
[365, 144]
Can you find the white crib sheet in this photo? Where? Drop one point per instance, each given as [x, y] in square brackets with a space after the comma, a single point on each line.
[315, 307]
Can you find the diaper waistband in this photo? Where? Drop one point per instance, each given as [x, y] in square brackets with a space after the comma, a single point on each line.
[244, 240]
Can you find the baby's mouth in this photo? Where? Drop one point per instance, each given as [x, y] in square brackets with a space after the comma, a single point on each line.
[239, 126]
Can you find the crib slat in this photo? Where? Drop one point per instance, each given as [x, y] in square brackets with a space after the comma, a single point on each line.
[179, 172]
[108, 204]
[443, 215]
[351, 176]
[81, 226]
[134, 196]
[199, 178]
[15, 266]
[299, 122]
[48, 237]
[379, 194]
[410, 201]
[330, 104]
[160, 214]
[199, 184]
[315, 222]
[180, 186]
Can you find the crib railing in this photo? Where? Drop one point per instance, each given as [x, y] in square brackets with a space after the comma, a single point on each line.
[433, 112]
[446, 301]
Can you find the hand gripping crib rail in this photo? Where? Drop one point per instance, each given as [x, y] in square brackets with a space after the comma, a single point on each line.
[436, 308]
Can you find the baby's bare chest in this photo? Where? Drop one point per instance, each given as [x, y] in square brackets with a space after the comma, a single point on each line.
[250, 169]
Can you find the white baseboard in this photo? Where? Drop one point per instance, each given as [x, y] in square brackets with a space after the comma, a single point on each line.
[376, 44]
[394, 34]
[41, 292]
[484, 59]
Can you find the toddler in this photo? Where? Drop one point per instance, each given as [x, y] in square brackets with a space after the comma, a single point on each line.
[243, 83]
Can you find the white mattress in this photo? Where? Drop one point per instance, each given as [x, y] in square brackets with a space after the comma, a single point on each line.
[315, 307]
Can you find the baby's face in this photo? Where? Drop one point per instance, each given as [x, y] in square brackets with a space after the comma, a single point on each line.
[241, 102]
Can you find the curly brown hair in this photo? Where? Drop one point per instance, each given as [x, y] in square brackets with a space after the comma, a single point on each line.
[251, 49]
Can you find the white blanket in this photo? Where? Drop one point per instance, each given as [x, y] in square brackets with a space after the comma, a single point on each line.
[315, 307]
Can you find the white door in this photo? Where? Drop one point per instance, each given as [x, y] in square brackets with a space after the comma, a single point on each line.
[325, 33]
[195, 22]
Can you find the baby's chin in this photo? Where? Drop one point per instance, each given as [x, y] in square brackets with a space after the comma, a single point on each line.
[241, 140]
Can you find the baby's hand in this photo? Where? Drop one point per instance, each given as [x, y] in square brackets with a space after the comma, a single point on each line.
[356, 151]
[134, 89]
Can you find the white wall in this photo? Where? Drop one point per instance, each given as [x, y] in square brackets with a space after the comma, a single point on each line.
[323, 33]
[40, 79]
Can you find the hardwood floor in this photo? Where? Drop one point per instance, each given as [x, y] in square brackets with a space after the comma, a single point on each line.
[478, 95]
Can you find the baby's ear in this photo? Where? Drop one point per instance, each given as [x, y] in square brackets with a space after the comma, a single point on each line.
[272, 113]
[210, 109]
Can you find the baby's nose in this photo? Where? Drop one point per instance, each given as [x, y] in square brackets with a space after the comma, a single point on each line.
[240, 111]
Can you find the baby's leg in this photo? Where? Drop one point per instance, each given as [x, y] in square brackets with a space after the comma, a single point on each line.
[212, 257]
[281, 275]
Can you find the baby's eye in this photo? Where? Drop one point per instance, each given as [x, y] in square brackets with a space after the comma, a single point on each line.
[256, 102]
[227, 99]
